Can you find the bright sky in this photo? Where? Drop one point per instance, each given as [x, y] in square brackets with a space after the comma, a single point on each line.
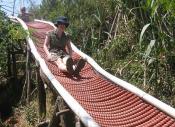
[7, 5]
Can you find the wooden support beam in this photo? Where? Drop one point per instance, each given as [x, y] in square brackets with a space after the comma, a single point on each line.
[54, 122]
[14, 66]
[62, 112]
[9, 63]
[24, 92]
[77, 123]
[66, 117]
[43, 124]
[28, 73]
[41, 95]
[46, 123]
[59, 118]
[49, 84]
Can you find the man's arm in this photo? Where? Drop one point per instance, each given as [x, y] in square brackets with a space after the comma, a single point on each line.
[29, 14]
[46, 45]
[69, 48]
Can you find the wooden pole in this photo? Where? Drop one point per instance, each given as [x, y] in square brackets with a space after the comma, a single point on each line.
[9, 63]
[62, 113]
[78, 123]
[28, 73]
[41, 95]
[66, 118]
[24, 92]
[14, 66]
[54, 122]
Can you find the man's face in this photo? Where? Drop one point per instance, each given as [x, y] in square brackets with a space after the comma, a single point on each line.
[62, 27]
[23, 10]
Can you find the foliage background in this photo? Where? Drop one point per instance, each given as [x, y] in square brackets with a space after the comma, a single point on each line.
[11, 35]
[133, 40]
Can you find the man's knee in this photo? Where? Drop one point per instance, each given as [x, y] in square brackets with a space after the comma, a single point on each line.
[65, 59]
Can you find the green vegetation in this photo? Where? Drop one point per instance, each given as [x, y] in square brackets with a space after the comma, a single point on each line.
[133, 40]
[11, 36]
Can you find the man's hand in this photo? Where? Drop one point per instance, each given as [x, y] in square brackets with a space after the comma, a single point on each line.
[49, 58]
[52, 57]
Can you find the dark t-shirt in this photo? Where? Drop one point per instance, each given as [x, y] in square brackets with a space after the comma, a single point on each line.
[25, 17]
[57, 43]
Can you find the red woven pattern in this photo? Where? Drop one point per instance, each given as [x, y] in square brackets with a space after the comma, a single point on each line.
[109, 104]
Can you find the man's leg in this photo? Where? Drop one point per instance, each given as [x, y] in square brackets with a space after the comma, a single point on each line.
[79, 66]
[66, 64]
[61, 65]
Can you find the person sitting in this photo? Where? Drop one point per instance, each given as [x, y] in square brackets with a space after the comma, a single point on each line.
[58, 48]
[24, 15]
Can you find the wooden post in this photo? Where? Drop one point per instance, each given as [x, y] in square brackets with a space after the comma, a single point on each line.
[9, 63]
[67, 119]
[23, 99]
[62, 116]
[28, 73]
[24, 92]
[41, 95]
[54, 122]
[14, 66]
[61, 107]
[78, 123]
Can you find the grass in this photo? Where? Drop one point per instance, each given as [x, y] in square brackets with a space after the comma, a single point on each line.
[27, 116]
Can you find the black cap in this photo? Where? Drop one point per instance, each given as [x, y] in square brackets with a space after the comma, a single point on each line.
[23, 9]
[62, 20]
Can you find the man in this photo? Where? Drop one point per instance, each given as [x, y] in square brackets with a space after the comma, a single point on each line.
[58, 48]
[24, 15]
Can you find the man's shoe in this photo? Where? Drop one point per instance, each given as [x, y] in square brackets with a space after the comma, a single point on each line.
[69, 66]
[79, 66]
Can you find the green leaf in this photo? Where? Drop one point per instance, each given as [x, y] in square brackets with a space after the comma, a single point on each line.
[151, 61]
[142, 32]
[149, 48]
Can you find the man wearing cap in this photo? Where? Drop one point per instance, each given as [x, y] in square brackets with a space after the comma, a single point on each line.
[24, 15]
[58, 48]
